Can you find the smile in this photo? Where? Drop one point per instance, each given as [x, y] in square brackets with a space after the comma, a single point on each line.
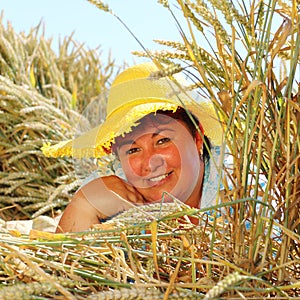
[159, 178]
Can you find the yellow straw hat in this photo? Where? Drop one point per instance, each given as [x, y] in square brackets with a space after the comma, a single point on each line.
[133, 95]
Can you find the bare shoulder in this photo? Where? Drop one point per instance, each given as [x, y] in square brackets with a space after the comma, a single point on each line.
[100, 183]
[79, 215]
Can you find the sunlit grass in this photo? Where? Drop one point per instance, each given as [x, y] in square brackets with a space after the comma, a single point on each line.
[42, 96]
[244, 56]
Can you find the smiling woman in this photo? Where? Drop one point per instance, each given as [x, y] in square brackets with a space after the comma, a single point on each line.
[161, 155]
[161, 137]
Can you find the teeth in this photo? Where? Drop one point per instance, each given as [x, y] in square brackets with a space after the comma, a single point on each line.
[158, 178]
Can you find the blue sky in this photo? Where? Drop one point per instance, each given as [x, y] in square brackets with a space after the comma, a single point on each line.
[146, 18]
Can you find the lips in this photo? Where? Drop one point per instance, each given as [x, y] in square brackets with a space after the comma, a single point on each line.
[157, 179]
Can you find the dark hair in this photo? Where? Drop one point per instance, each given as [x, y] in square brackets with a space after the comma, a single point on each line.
[193, 125]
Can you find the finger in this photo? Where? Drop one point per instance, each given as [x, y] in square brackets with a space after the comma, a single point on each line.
[135, 196]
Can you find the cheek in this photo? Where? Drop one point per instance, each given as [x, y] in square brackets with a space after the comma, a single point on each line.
[173, 157]
[130, 167]
[189, 157]
[133, 168]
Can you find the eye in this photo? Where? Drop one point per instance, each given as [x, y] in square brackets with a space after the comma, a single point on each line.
[163, 141]
[132, 150]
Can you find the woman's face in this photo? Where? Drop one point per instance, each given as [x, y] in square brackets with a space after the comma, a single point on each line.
[160, 155]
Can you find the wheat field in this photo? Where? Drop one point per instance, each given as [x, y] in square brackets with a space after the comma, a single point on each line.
[244, 57]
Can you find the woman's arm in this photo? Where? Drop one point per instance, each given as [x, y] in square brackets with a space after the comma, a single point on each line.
[79, 215]
[98, 199]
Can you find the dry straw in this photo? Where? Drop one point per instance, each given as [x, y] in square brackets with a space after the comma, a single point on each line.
[244, 57]
[164, 256]
[42, 93]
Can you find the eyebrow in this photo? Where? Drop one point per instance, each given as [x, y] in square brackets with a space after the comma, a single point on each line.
[124, 143]
[131, 141]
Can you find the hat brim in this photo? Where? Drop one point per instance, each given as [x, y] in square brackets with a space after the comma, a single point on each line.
[97, 142]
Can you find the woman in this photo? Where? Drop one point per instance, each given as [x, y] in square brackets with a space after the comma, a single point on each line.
[159, 134]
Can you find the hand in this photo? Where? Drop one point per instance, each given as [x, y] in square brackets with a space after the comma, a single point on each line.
[111, 195]
[123, 189]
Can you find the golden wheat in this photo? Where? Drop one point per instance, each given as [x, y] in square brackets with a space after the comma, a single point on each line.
[247, 246]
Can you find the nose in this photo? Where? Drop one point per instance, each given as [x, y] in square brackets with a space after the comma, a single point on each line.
[153, 163]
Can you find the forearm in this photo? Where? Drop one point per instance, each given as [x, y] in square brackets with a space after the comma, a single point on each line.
[97, 200]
